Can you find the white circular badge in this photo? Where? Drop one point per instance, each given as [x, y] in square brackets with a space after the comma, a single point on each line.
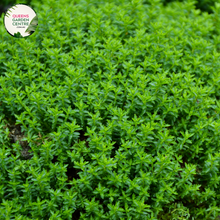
[20, 20]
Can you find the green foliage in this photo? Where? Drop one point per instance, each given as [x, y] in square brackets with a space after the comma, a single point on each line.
[7, 2]
[18, 35]
[33, 25]
[119, 104]
[203, 5]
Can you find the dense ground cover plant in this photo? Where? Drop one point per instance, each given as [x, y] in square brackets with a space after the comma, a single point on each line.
[203, 5]
[118, 103]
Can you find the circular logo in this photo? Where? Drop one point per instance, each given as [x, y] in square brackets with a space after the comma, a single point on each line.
[20, 21]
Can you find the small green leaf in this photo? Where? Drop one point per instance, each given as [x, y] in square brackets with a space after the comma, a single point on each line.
[33, 25]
